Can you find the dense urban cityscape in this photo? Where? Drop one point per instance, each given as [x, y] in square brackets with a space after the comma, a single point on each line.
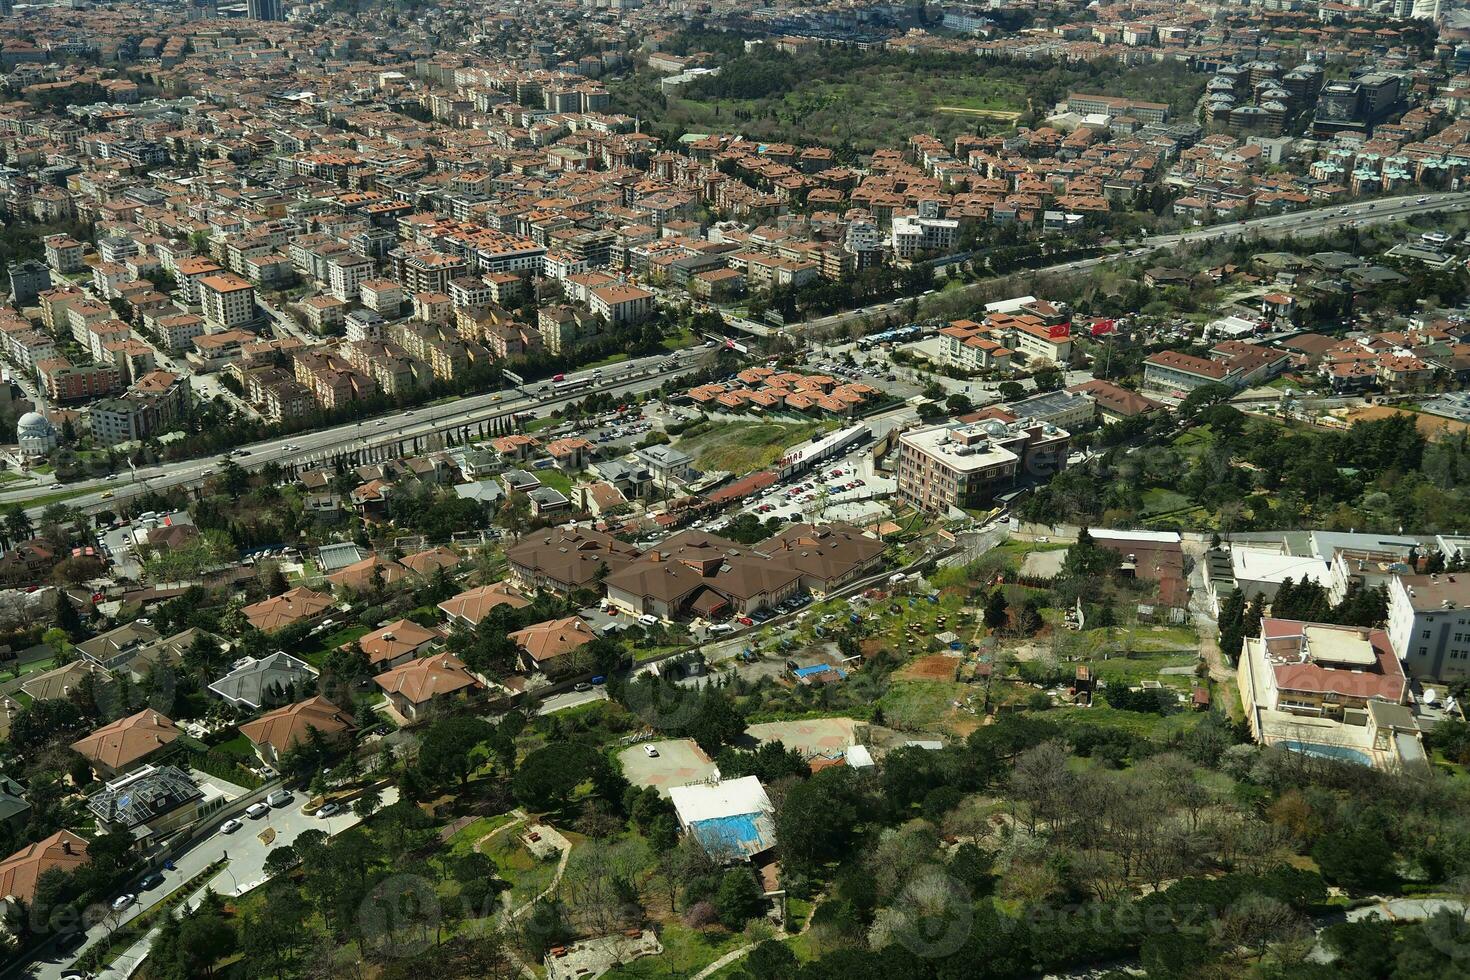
[668, 490]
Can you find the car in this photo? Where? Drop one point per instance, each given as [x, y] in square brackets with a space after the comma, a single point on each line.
[230, 826]
[650, 751]
[279, 798]
[257, 810]
[123, 901]
[582, 687]
[111, 477]
[648, 619]
[720, 628]
[242, 452]
[745, 621]
[408, 415]
[150, 882]
[107, 495]
[68, 942]
[381, 422]
[1422, 200]
[78, 974]
[328, 810]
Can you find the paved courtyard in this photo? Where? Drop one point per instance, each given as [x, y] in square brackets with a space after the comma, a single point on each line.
[814, 736]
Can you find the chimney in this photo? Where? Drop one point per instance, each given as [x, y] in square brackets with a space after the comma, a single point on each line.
[65, 846]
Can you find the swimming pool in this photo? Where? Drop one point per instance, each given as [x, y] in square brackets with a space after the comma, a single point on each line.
[1340, 752]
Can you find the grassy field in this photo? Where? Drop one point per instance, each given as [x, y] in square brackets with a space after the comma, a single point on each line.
[922, 705]
[864, 108]
[686, 952]
[464, 841]
[328, 642]
[1161, 501]
[742, 447]
[528, 876]
[555, 479]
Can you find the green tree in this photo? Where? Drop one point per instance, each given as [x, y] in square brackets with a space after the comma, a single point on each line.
[740, 898]
[445, 754]
[770, 960]
[997, 612]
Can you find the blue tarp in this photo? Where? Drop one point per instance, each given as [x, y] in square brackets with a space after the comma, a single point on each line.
[740, 835]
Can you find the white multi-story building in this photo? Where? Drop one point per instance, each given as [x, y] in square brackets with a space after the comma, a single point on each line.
[1429, 624]
[924, 232]
[346, 274]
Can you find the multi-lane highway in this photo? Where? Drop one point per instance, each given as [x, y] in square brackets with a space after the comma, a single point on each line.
[304, 448]
[1297, 223]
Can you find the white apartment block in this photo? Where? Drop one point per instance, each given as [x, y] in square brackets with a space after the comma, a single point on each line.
[1429, 624]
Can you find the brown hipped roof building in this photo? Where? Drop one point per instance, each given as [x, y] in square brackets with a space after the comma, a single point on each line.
[127, 742]
[299, 605]
[396, 643]
[542, 644]
[475, 604]
[274, 732]
[19, 873]
[417, 684]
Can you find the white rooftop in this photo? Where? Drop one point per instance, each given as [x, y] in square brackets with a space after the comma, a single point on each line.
[729, 798]
[1253, 565]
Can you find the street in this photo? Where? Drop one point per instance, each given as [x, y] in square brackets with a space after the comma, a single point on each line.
[628, 377]
[245, 868]
[1296, 222]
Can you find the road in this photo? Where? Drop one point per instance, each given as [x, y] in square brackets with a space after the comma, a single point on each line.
[1296, 223]
[629, 377]
[244, 868]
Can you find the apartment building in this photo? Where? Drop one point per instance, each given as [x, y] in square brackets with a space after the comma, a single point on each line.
[228, 301]
[157, 403]
[1429, 624]
[382, 296]
[971, 465]
[176, 330]
[65, 382]
[620, 303]
[345, 275]
[64, 254]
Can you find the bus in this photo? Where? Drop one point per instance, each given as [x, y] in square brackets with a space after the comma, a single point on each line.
[571, 384]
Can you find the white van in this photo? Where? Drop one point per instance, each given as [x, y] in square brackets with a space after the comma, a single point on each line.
[279, 798]
[257, 810]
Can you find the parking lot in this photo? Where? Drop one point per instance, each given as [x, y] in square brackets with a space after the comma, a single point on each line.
[679, 762]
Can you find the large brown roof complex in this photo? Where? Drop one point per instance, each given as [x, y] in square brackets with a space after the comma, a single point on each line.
[127, 740]
[828, 552]
[570, 557]
[286, 726]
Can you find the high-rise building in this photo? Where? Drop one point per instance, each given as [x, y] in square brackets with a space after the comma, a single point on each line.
[265, 10]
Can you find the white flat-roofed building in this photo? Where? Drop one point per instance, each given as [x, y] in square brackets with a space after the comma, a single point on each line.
[1429, 624]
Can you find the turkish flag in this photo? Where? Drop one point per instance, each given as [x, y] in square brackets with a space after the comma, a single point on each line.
[1061, 331]
[1102, 328]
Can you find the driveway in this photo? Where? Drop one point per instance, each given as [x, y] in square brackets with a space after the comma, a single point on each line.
[571, 699]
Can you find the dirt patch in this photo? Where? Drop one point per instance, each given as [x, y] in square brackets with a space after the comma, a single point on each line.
[933, 668]
[1000, 115]
[1430, 426]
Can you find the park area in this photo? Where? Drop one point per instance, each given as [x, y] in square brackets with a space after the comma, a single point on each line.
[743, 447]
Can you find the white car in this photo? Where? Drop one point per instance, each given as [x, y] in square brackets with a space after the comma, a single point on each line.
[648, 620]
[230, 826]
[650, 751]
[721, 628]
[257, 810]
[123, 901]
